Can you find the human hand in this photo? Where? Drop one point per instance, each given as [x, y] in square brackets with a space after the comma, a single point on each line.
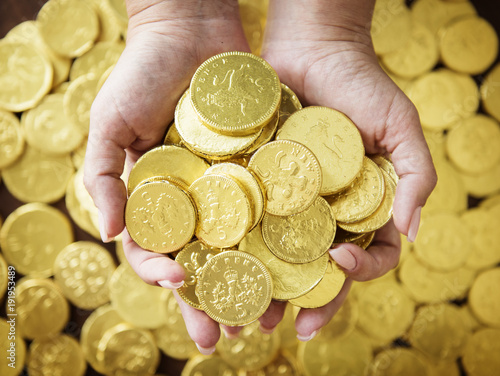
[166, 42]
[323, 51]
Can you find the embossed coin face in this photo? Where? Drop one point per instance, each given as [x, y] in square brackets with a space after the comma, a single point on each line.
[303, 237]
[41, 308]
[193, 258]
[99, 321]
[25, 78]
[252, 349]
[480, 355]
[390, 362]
[69, 359]
[78, 99]
[235, 93]
[29, 242]
[202, 140]
[83, 270]
[12, 144]
[224, 210]
[380, 217]
[291, 176]
[234, 288]
[486, 309]
[362, 198]
[160, 217]
[70, 39]
[48, 129]
[208, 365]
[248, 181]
[289, 280]
[167, 160]
[126, 350]
[334, 140]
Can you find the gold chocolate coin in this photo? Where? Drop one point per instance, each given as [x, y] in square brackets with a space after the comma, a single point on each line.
[48, 130]
[32, 237]
[362, 198]
[473, 144]
[26, 76]
[469, 45]
[68, 38]
[490, 95]
[4, 275]
[200, 365]
[443, 243]
[172, 337]
[289, 104]
[289, 280]
[42, 358]
[28, 32]
[140, 304]
[325, 291]
[160, 217]
[391, 362]
[83, 270]
[172, 137]
[291, 175]
[193, 258]
[349, 355]
[302, 237]
[234, 288]
[439, 332]
[252, 349]
[11, 134]
[224, 210]
[96, 61]
[78, 99]
[127, 350]
[99, 321]
[42, 311]
[334, 140]
[391, 26]
[38, 177]
[235, 93]
[166, 160]
[204, 141]
[380, 217]
[386, 165]
[248, 181]
[481, 297]
[480, 357]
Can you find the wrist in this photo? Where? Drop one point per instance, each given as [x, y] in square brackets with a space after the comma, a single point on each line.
[322, 20]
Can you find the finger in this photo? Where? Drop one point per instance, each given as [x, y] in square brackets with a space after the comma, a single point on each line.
[413, 164]
[377, 260]
[153, 268]
[231, 332]
[272, 316]
[310, 320]
[202, 329]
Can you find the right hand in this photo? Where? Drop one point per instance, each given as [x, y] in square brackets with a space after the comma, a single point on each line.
[166, 42]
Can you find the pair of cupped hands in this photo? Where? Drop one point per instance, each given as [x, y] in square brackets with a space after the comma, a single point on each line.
[322, 50]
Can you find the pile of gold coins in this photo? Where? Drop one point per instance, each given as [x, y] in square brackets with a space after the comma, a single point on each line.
[278, 199]
[80, 308]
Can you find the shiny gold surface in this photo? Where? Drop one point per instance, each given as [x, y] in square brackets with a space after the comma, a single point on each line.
[12, 144]
[291, 176]
[334, 140]
[234, 288]
[235, 93]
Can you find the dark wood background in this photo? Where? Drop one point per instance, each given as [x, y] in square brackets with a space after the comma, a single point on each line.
[13, 12]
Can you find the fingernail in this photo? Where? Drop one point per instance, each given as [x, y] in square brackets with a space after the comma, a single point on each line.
[343, 257]
[229, 335]
[307, 338]
[266, 330]
[170, 285]
[414, 225]
[205, 350]
[102, 228]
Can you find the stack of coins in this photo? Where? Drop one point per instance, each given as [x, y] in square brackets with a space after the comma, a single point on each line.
[266, 188]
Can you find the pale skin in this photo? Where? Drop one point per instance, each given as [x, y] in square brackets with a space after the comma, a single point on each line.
[321, 49]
